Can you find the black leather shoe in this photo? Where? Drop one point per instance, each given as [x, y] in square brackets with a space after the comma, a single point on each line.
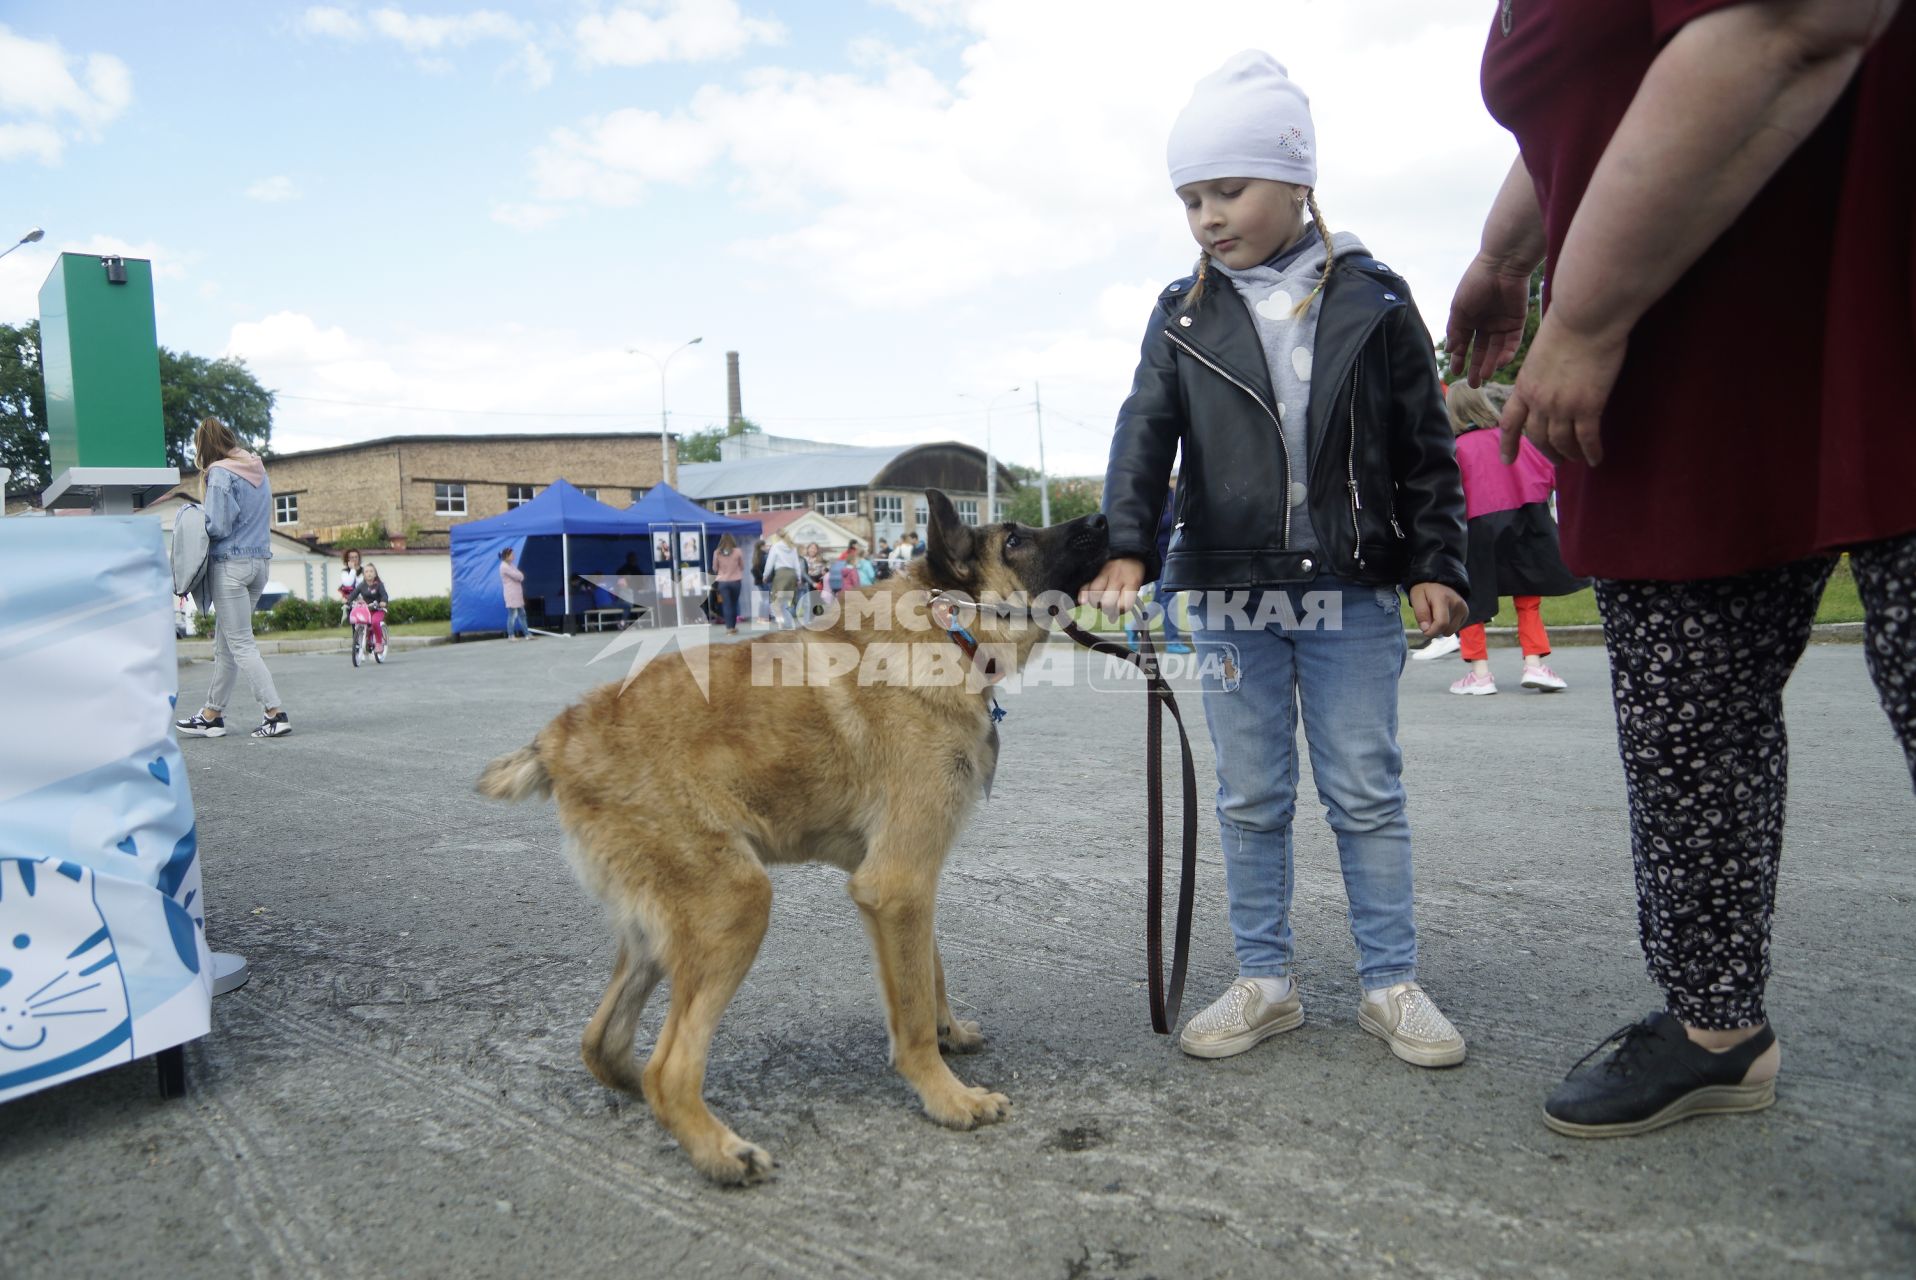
[1656, 1075]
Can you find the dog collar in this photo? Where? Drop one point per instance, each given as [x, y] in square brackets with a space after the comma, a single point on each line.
[966, 642]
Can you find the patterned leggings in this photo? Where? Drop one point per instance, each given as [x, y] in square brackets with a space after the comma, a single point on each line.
[1697, 672]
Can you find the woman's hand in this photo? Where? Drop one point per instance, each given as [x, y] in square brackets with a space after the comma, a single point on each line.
[1487, 317]
[1116, 587]
[1561, 391]
[1440, 611]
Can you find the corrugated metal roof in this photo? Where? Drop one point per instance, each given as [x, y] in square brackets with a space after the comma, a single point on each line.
[802, 472]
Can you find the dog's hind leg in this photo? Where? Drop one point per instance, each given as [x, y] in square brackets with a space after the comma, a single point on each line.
[607, 1045]
[715, 933]
[954, 1036]
[894, 893]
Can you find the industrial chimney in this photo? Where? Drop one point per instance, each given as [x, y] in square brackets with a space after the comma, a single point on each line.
[734, 412]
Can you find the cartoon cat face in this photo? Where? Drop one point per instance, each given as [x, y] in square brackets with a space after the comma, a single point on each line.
[62, 996]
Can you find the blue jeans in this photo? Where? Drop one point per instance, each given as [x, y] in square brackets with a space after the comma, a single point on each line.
[728, 603]
[1344, 677]
[515, 622]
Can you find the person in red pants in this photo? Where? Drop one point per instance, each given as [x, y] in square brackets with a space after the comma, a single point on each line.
[1513, 544]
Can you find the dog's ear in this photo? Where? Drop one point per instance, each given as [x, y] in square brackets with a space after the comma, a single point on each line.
[952, 546]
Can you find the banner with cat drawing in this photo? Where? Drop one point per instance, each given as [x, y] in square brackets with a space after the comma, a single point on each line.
[103, 955]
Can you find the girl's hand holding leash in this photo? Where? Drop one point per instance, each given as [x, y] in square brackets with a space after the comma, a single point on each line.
[1116, 587]
[1440, 611]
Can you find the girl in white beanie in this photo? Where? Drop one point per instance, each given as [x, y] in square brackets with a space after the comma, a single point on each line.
[1294, 374]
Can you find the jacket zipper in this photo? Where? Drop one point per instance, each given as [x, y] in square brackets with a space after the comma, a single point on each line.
[1193, 352]
[1350, 465]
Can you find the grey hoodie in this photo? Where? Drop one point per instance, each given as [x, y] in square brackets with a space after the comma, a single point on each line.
[1271, 290]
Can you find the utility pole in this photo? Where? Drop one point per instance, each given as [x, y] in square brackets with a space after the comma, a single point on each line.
[1044, 480]
[668, 455]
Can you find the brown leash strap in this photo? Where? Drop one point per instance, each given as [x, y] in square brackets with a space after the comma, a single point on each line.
[1164, 1001]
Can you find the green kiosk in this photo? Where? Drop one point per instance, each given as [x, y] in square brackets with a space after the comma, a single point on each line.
[100, 353]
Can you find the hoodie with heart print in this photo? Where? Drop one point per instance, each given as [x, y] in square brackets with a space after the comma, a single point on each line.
[1271, 291]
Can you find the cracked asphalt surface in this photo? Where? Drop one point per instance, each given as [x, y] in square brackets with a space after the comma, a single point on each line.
[398, 1091]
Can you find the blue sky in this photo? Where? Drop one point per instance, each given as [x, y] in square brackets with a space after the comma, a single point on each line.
[455, 218]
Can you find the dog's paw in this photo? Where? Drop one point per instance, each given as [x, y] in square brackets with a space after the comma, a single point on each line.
[736, 1163]
[967, 1107]
[961, 1037]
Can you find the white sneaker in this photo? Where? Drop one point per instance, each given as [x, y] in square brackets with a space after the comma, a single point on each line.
[1437, 648]
[1238, 1019]
[1412, 1024]
[1538, 676]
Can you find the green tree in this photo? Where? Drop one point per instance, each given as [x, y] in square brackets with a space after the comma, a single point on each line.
[191, 387]
[194, 387]
[1509, 372]
[23, 407]
[703, 446]
[1071, 497]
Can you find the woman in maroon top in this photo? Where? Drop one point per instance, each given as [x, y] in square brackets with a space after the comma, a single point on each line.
[1724, 197]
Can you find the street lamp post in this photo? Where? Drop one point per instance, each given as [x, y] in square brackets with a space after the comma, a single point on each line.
[670, 459]
[28, 238]
[991, 463]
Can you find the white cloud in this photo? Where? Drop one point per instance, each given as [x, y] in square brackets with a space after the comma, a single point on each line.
[39, 141]
[273, 190]
[429, 38]
[536, 67]
[49, 97]
[634, 35]
[419, 34]
[345, 386]
[324, 20]
[1045, 152]
[610, 160]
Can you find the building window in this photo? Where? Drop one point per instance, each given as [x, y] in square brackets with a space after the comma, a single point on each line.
[517, 495]
[837, 502]
[968, 510]
[448, 499]
[920, 515]
[888, 508]
[638, 495]
[997, 510]
[286, 508]
[591, 493]
[781, 502]
[730, 506]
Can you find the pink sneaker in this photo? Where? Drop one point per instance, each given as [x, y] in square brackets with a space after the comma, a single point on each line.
[1538, 676]
[1476, 683]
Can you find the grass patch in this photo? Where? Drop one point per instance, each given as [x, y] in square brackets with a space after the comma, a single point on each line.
[441, 628]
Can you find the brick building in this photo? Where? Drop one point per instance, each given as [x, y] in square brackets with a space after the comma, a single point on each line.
[878, 493]
[418, 487]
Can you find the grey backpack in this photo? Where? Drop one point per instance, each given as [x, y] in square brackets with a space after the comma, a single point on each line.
[190, 545]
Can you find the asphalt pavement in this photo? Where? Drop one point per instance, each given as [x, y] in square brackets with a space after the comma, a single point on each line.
[398, 1092]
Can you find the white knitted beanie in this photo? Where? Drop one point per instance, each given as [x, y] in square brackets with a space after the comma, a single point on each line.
[1245, 120]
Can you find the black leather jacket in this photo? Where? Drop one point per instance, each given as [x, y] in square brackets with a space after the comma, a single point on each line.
[1384, 494]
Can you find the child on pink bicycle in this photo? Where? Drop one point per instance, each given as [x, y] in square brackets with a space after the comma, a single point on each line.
[368, 616]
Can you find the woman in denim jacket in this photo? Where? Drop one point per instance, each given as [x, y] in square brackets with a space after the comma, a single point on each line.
[239, 507]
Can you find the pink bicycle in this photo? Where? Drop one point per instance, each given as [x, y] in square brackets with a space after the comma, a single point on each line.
[369, 631]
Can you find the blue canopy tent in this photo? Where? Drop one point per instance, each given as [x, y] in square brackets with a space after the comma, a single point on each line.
[664, 510]
[542, 536]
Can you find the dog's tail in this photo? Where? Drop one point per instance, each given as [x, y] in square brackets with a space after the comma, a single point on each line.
[516, 776]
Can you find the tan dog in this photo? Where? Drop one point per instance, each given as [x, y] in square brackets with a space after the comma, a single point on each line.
[855, 743]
